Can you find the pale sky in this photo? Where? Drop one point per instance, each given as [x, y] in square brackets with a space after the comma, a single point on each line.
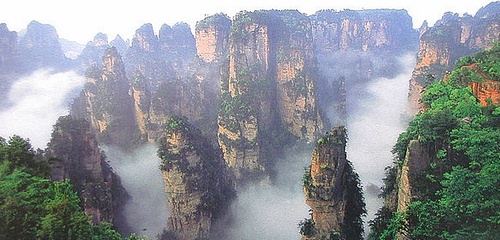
[81, 20]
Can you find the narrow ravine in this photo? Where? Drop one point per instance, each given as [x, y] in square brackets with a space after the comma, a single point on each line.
[146, 212]
[374, 123]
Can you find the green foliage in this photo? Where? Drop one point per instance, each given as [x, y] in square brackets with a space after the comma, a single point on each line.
[458, 195]
[488, 65]
[389, 180]
[380, 225]
[33, 207]
[394, 226]
[306, 227]
[176, 123]
[216, 20]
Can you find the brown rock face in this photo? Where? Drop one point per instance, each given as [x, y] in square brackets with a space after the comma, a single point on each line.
[416, 160]
[196, 182]
[105, 101]
[367, 30]
[212, 35]
[168, 80]
[486, 91]
[78, 158]
[332, 191]
[449, 39]
[269, 89]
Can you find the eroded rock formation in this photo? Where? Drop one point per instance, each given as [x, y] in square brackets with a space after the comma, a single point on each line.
[196, 182]
[367, 30]
[416, 161]
[76, 156]
[212, 36]
[354, 47]
[269, 95]
[40, 47]
[106, 104]
[449, 39]
[332, 191]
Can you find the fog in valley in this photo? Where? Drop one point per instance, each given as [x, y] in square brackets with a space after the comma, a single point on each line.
[35, 102]
[272, 209]
[146, 211]
[376, 117]
[269, 209]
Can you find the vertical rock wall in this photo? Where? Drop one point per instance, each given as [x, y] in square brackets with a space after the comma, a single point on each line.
[332, 191]
[269, 90]
[77, 157]
[196, 182]
[449, 39]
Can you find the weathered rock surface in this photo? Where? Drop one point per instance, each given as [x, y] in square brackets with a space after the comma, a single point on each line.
[106, 104]
[366, 30]
[196, 182]
[269, 95]
[416, 161]
[332, 191]
[449, 39]
[212, 37]
[40, 47]
[76, 156]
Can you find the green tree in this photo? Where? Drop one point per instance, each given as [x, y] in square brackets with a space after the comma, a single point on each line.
[33, 207]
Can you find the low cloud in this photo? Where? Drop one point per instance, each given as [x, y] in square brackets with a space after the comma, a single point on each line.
[35, 102]
[376, 118]
[146, 212]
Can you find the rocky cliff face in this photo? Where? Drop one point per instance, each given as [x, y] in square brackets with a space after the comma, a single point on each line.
[367, 30]
[196, 182]
[9, 57]
[212, 37]
[271, 66]
[416, 161]
[332, 191]
[486, 91]
[168, 80]
[94, 50]
[354, 47]
[76, 156]
[178, 44]
[449, 39]
[40, 47]
[106, 104]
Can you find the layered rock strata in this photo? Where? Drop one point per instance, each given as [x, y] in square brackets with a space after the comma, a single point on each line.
[332, 191]
[449, 39]
[196, 182]
[269, 94]
[76, 156]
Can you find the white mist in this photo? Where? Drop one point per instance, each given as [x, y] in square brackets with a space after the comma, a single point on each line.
[35, 102]
[267, 210]
[374, 123]
[146, 212]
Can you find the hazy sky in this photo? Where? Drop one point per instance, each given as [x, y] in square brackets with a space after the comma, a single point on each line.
[80, 20]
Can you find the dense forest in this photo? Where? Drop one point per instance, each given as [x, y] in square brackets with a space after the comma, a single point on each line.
[34, 207]
[457, 195]
[206, 134]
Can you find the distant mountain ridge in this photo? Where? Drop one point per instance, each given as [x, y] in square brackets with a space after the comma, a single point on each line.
[253, 85]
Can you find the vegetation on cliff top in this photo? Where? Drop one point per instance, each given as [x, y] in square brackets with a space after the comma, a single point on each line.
[218, 189]
[458, 195]
[350, 189]
[33, 207]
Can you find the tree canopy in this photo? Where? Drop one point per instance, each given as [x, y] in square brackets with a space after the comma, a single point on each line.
[34, 207]
[458, 195]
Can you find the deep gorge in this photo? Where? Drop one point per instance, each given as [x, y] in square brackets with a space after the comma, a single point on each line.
[229, 130]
